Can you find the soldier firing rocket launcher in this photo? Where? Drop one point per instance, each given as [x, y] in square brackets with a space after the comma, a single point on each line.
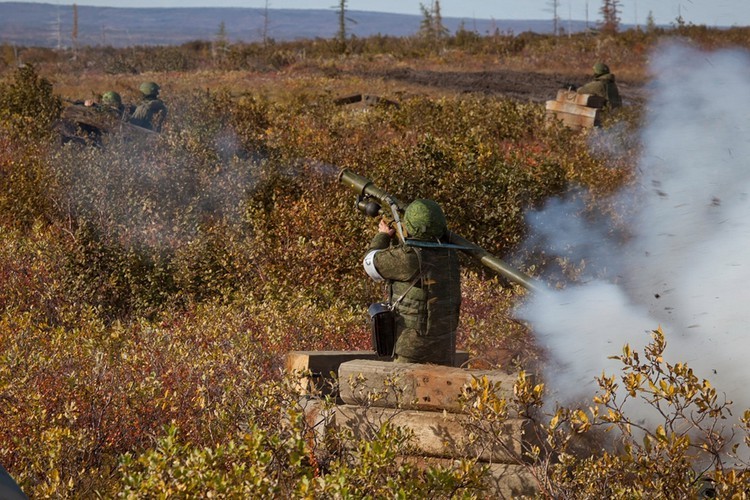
[374, 201]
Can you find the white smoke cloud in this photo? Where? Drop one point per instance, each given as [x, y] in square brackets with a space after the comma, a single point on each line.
[687, 266]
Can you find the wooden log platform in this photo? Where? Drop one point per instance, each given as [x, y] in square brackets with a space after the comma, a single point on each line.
[575, 110]
[426, 402]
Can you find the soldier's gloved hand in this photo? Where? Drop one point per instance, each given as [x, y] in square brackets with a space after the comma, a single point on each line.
[384, 227]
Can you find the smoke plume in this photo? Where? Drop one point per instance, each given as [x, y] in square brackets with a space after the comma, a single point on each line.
[686, 265]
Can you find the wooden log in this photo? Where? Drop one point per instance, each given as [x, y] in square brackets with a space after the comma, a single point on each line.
[324, 362]
[324, 365]
[575, 110]
[573, 115]
[319, 417]
[366, 99]
[588, 100]
[572, 108]
[502, 481]
[507, 481]
[434, 434]
[413, 386]
[373, 100]
[350, 99]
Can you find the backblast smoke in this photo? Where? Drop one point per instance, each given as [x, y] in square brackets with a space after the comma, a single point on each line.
[685, 266]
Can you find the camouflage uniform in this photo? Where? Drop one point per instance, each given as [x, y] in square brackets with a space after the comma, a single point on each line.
[429, 281]
[604, 86]
[112, 104]
[151, 112]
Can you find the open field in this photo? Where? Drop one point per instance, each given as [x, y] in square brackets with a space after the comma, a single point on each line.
[151, 288]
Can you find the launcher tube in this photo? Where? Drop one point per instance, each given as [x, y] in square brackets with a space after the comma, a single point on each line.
[365, 188]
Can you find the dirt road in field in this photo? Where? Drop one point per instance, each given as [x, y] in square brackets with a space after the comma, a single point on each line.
[521, 85]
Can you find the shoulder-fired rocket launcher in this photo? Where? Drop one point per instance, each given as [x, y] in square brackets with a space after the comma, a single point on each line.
[374, 201]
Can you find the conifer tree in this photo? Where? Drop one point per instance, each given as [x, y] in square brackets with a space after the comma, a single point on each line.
[554, 7]
[610, 12]
[431, 26]
[341, 36]
[74, 34]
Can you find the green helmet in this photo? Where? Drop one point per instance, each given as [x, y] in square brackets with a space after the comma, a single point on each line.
[112, 98]
[424, 220]
[149, 89]
[600, 69]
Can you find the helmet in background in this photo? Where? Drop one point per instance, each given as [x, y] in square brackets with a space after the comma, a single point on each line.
[112, 98]
[149, 89]
[424, 219]
[600, 69]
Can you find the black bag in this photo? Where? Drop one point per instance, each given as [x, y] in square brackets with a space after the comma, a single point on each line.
[383, 323]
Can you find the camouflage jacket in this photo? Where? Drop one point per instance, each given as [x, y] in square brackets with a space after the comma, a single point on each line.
[603, 86]
[150, 114]
[426, 283]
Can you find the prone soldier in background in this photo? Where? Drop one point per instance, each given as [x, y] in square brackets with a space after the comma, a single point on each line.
[151, 112]
[112, 103]
[603, 85]
[424, 284]
[87, 121]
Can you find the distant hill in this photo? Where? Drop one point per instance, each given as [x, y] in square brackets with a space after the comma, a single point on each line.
[48, 25]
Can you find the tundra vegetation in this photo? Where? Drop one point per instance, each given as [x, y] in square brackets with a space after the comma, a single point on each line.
[151, 288]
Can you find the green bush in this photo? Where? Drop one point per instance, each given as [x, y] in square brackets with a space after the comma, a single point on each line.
[28, 108]
[28, 111]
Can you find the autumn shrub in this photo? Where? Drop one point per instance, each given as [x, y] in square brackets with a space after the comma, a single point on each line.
[601, 451]
[91, 392]
[28, 106]
[28, 110]
[156, 220]
[278, 462]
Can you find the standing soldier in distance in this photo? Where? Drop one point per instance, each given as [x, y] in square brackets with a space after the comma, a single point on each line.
[603, 85]
[151, 112]
[423, 281]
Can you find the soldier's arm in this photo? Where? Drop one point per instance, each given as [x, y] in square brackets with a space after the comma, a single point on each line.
[589, 88]
[397, 263]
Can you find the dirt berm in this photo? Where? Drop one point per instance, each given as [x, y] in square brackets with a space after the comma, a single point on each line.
[520, 85]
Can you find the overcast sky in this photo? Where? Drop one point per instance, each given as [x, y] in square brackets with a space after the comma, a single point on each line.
[708, 12]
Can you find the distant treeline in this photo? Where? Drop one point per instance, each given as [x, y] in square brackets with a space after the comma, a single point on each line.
[219, 53]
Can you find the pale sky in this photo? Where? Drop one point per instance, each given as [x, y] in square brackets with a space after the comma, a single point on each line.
[707, 12]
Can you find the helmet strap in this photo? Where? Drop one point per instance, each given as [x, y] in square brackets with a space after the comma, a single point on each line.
[396, 218]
